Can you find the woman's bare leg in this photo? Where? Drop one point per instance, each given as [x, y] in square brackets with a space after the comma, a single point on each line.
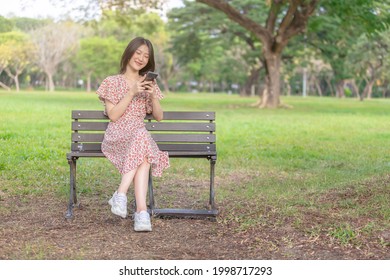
[118, 201]
[126, 181]
[141, 180]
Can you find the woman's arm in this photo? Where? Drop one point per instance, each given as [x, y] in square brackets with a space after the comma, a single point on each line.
[157, 111]
[114, 112]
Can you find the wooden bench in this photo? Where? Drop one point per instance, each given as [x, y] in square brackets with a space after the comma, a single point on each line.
[181, 134]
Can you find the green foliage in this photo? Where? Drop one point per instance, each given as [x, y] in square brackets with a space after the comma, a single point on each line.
[5, 25]
[28, 24]
[14, 36]
[369, 54]
[348, 92]
[111, 34]
[17, 52]
[337, 25]
[370, 16]
[125, 25]
[99, 56]
[202, 44]
[210, 47]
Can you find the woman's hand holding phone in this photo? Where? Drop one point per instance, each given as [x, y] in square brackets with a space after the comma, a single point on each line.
[151, 76]
[150, 84]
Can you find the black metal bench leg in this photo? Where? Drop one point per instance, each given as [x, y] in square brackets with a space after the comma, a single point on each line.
[151, 194]
[212, 174]
[72, 194]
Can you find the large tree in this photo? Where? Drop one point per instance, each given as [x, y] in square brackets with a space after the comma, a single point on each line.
[285, 20]
[5, 57]
[20, 52]
[336, 27]
[368, 59]
[54, 43]
[89, 64]
[233, 49]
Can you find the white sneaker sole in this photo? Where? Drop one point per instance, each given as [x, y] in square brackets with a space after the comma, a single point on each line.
[143, 228]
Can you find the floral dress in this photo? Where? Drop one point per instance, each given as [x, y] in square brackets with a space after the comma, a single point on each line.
[126, 141]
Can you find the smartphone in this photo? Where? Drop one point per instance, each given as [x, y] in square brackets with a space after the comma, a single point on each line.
[150, 76]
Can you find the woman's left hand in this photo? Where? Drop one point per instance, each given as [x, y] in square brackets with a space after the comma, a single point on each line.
[151, 89]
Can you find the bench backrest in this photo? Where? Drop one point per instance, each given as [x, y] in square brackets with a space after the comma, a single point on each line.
[181, 134]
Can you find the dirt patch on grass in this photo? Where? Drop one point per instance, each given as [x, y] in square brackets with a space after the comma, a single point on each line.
[34, 227]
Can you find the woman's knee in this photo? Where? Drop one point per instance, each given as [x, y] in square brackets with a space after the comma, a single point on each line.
[146, 162]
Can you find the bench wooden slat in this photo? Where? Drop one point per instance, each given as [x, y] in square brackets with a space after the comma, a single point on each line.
[206, 116]
[96, 147]
[192, 154]
[86, 147]
[189, 138]
[154, 126]
[87, 137]
[90, 126]
[205, 127]
[180, 154]
[85, 154]
[210, 116]
[81, 115]
[187, 147]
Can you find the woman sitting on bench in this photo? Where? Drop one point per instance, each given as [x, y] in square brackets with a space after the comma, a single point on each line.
[128, 97]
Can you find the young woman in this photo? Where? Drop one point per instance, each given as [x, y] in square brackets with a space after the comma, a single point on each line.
[127, 144]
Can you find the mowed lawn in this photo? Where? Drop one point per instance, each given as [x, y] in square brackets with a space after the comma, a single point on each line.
[324, 156]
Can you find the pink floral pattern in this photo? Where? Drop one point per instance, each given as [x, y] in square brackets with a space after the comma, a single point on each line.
[126, 142]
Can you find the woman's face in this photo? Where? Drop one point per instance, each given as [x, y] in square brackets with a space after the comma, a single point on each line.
[140, 58]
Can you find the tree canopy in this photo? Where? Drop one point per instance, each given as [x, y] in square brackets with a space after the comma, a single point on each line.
[258, 47]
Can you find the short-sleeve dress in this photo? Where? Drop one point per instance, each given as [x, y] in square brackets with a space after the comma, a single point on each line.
[126, 141]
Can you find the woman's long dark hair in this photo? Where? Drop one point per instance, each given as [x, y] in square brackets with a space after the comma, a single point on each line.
[130, 50]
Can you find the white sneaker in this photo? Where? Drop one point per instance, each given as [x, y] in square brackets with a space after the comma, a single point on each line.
[142, 221]
[118, 204]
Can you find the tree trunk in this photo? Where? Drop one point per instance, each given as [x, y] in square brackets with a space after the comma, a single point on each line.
[13, 77]
[367, 92]
[318, 87]
[50, 82]
[89, 82]
[271, 93]
[16, 79]
[340, 89]
[355, 89]
[165, 85]
[5, 86]
[288, 86]
[330, 86]
[212, 86]
[253, 79]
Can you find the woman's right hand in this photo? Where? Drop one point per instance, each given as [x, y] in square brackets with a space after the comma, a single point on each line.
[139, 86]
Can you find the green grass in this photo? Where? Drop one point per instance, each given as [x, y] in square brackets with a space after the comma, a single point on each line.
[284, 157]
[344, 234]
